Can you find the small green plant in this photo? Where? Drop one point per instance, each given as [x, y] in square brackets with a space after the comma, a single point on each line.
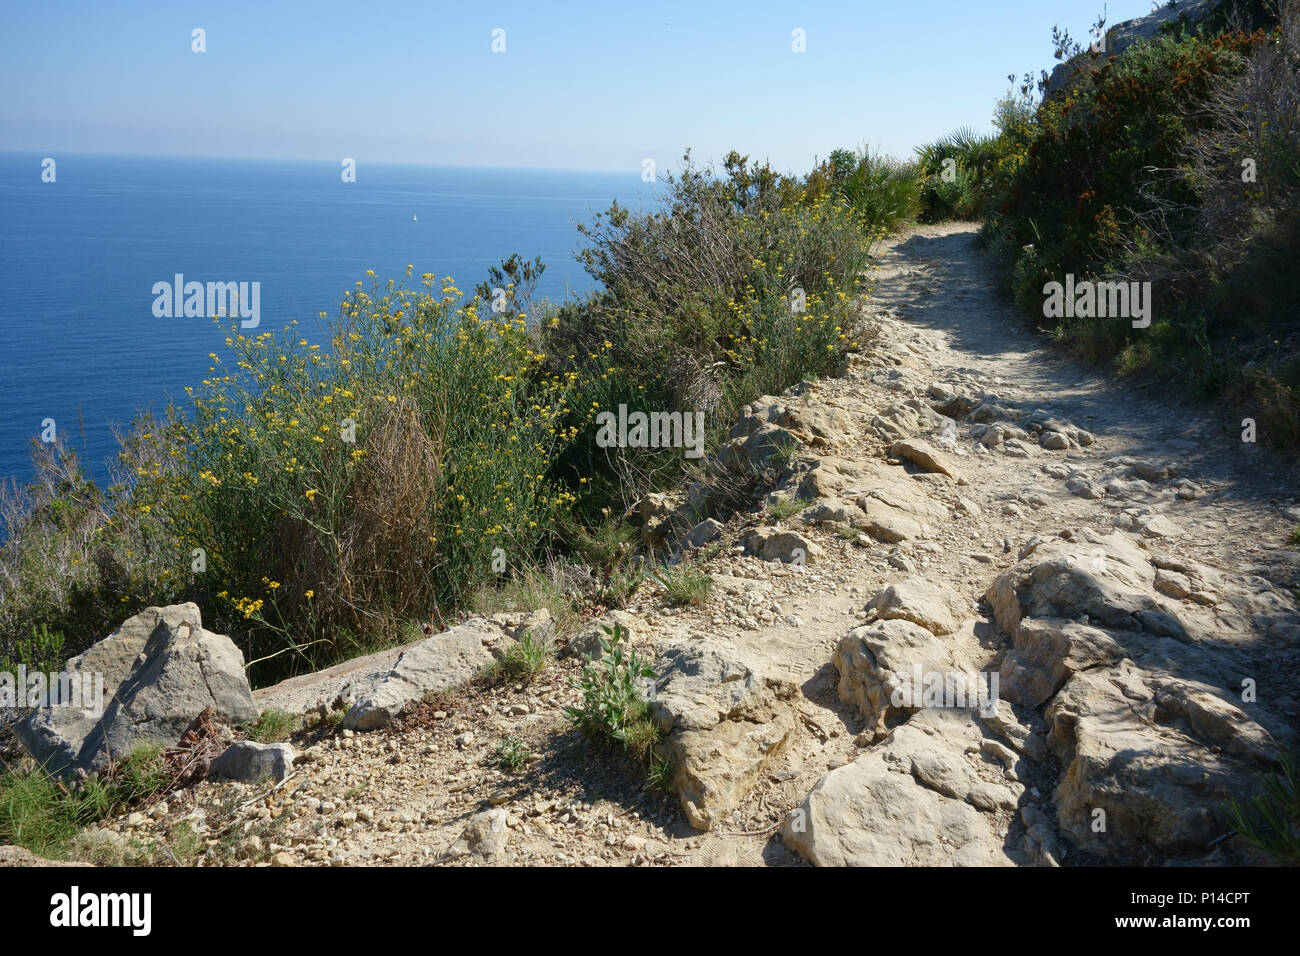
[783, 508]
[511, 754]
[622, 584]
[182, 845]
[329, 721]
[1294, 538]
[606, 545]
[684, 584]
[522, 662]
[659, 775]
[786, 452]
[1277, 829]
[528, 589]
[44, 652]
[640, 738]
[612, 701]
[272, 725]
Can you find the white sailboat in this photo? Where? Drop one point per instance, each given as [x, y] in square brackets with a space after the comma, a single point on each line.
[415, 219]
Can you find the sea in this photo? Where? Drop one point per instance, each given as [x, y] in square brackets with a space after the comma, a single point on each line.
[80, 256]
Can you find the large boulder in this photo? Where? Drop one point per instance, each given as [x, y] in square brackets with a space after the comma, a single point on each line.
[160, 671]
[1105, 578]
[1148, 761]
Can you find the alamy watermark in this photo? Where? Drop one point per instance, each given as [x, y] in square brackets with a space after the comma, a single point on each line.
[652, 430]
[178, 298]
[1101, 300]
[960, 690]
[25, 689]
[128, 910]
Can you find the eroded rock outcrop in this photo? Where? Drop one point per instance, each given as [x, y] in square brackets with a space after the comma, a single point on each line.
[1140, 694]
[724, 722]
[927, 796]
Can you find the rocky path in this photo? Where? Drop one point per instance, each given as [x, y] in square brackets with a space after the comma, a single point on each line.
[962, 502]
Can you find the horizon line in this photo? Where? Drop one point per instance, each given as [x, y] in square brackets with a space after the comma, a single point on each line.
[303, 159]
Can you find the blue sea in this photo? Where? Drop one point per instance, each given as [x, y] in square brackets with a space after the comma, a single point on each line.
[79, 258]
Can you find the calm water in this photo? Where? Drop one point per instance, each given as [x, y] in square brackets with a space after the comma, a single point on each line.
[79, 258]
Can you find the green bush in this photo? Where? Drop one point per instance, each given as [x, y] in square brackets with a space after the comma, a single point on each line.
[742, 284]
[613, 704]
[956, 171]
[43, 652]
[1137, 170]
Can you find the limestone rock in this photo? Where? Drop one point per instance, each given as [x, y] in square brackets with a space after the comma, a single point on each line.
[18, 856]
[706, 531]
[923, 456]
[586, 643]
[920, 601]
[790, 547]
[876, 812]
[1127, 749]
[441, 662]
[905, 420]
[486, 835]
[874, 660]
[725, 722]
[1046, 652]
[160, 670]
[699, 688]
[832, 477]
[833, 513]
[248, 761]
[1105, 577]
[714, 769]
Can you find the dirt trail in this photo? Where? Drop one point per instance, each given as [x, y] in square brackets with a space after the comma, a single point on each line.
[405, 796]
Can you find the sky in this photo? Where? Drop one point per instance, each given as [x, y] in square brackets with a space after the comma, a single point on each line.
[599, 86]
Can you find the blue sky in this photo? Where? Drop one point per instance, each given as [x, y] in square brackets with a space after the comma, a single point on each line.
[597, 85]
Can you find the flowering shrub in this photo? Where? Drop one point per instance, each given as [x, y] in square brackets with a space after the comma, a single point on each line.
[318, 498]
[337, 490]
